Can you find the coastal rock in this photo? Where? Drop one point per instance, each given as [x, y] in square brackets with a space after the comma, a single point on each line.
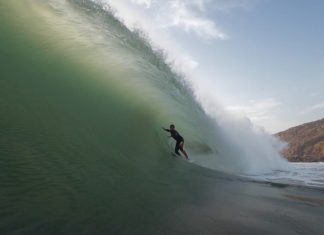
[305, 142]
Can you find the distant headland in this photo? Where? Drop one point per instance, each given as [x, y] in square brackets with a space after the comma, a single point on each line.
[305, 142]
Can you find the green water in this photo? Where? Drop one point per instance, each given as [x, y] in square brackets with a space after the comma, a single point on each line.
[81, 149]
[79, 154]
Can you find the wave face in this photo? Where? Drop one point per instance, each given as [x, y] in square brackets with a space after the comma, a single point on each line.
[82, 103]
[75, 74]
[83, 70]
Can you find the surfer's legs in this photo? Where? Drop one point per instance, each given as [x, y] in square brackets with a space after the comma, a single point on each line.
[183, 151]
[179, 146]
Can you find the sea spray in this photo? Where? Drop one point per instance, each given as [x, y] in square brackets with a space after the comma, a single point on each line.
[249, 149]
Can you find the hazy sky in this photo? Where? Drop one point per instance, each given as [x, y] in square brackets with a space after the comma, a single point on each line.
[260, 58]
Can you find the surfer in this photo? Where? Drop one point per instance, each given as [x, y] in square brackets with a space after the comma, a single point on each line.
[180, 141]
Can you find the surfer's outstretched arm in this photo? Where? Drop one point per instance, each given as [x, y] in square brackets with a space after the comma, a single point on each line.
[166, 129]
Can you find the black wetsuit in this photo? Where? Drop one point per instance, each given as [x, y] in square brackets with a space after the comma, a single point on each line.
[175, 135]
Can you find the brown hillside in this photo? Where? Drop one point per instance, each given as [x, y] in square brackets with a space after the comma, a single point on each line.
[306, 142]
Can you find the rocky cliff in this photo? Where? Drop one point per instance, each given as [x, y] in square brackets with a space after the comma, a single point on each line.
[305, 142]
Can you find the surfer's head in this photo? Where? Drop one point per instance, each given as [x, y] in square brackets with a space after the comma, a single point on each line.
[172, 127]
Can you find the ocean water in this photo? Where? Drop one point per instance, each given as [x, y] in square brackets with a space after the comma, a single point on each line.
[298, 174]
[82, 103]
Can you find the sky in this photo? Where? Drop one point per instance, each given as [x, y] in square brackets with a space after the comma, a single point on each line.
[263, 59]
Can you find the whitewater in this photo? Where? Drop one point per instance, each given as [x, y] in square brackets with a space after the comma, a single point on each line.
[83, 100]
